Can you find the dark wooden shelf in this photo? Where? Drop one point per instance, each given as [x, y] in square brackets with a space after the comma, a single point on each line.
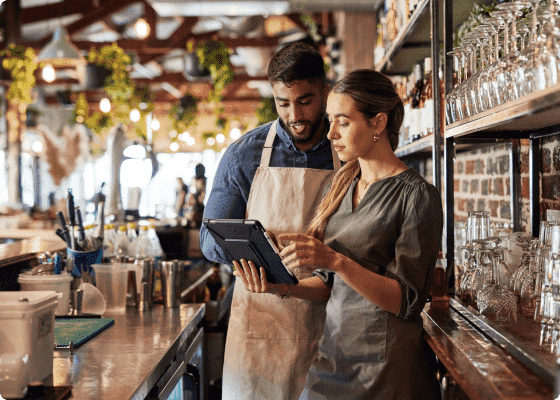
[423, 145]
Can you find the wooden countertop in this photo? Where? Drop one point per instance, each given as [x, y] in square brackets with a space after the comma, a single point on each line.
[126, 360]
[481, 367]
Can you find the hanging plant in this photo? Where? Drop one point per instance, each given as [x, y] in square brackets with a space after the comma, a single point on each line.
[266, 111]
[214, 55]
[20, 61]
[183, 114]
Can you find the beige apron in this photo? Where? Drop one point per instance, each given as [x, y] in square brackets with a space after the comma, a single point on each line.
[271, 343]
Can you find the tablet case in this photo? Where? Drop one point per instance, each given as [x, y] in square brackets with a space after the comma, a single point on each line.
[245, 239]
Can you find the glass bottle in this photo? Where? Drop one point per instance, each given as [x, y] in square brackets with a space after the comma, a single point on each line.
[416, 130]
[143, 246]
[531, 287]
[109, 241]
[406, 117]
[122, 244]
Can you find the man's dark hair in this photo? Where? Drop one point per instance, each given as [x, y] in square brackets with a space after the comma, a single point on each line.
[296, 62]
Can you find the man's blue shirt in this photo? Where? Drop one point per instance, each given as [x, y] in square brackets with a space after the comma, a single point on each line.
[234, 176]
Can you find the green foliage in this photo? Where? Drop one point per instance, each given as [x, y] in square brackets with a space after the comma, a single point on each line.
[214, 55]
[312, 27]
[121, 89]
[20, 61]
[183, 114]
[266, 110]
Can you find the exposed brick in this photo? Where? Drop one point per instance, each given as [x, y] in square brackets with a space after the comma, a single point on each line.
[505, 209]
[481, 205]
[524, 167]
[474, 186]
[551, 187]
[456, 185]
[546, 161]
[460, 167]
[461, 203]
[556, 157]
[491, 167]
[470, 167]
[485, 150]
[498, 186]
[524, 188]
[465, 186]
[484, 187]
[493, 205]
[470, 205]
[478, 167]
[503, 162]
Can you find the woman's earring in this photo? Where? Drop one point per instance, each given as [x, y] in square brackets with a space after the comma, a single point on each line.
[375, 138]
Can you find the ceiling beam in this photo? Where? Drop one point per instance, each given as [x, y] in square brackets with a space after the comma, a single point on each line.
[57, 10]
[98, 14]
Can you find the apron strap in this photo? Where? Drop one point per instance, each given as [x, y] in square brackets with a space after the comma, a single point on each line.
[267, 149]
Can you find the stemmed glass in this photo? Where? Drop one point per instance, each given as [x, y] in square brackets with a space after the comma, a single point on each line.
[464, 107]
[485, 31]
[487, 83]
[450, 100]
[534, 71]
[514, 75]
[498, 75]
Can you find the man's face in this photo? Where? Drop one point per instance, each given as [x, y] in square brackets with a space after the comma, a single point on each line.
[301, 108]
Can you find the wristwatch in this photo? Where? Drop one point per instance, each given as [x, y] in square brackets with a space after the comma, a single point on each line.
[288, 293]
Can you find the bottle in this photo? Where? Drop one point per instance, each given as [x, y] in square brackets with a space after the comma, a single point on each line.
[379, 51]
[406, 117]
[109, 241]
[143, 247]
[122, 243]
[131, 232]
[392, 23]
[439, 286]
[427, 101]
[415, 130]
[159, 256]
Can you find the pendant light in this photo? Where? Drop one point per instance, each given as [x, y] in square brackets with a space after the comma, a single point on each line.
[60, 52]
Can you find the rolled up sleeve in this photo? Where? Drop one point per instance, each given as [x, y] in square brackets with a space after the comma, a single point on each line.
[416, 249]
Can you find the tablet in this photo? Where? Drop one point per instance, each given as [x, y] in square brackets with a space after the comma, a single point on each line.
[247, 239]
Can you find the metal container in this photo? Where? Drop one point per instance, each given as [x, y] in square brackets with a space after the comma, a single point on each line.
[171, 276]
[147, 282]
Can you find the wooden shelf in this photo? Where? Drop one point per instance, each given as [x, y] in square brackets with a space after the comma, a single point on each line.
[423, 145]
[529, 113]
[402, 37]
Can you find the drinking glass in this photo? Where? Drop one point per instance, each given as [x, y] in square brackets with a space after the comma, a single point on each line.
[450, 100]
[478, 225]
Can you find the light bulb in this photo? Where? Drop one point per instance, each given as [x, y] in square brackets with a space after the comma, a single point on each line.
[211, 141]
[48, 73]
[235, 133]
[134, 115]
[220, 138]
[155, 124]
[174, 146]
[37, 146]
[105, 105]
[142, 28]
[191, 141]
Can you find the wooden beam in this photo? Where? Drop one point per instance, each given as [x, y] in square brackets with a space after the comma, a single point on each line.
[12, 25]
[295, 18]
[57, 10]
[98, 14]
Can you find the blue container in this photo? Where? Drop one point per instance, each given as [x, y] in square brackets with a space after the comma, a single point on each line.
[83, 260]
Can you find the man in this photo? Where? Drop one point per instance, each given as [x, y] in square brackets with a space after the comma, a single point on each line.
[276, 174]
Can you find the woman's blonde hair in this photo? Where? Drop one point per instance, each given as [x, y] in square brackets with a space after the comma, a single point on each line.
[372, 93]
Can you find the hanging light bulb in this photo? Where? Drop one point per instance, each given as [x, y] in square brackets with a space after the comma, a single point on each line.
[134, 115]
[155, 124]
[211, 141]
[48, 73]
[191, 141]
[105, 105]
[142, 28]
[174, 146]
[235, 133]
[220, 138]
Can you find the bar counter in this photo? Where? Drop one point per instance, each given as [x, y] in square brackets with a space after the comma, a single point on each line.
[484, 367]
[126, 360]
[27, 246]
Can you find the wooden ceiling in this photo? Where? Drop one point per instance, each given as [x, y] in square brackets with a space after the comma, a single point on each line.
[149, 50]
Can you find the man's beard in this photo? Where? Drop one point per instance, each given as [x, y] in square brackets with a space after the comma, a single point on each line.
[314, 129]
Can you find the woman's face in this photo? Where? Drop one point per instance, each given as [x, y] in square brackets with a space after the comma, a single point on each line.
[351, 134]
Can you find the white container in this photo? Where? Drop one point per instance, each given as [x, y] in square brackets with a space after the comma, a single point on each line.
[27, 327]
[14, 375]
[58, 283]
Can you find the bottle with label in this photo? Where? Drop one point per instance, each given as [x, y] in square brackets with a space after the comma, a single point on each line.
[109, 241]
[439, 286]
[122, 244]
[406, 103]
[427, 101]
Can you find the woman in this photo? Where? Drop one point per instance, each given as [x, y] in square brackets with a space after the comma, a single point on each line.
[373, 245]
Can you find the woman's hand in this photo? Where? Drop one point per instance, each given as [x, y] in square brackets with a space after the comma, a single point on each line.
[247, 272]
[308, 253]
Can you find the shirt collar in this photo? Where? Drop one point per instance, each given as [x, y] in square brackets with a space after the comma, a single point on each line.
[287, 139]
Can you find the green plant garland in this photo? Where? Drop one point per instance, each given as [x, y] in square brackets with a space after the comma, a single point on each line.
[21, 63]
[266, 110]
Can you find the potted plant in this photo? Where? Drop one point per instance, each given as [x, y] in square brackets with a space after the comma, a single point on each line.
[20, 61]
[214, 55]
[183, 114]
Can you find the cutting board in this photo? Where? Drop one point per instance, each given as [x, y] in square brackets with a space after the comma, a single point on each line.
[78, 330]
